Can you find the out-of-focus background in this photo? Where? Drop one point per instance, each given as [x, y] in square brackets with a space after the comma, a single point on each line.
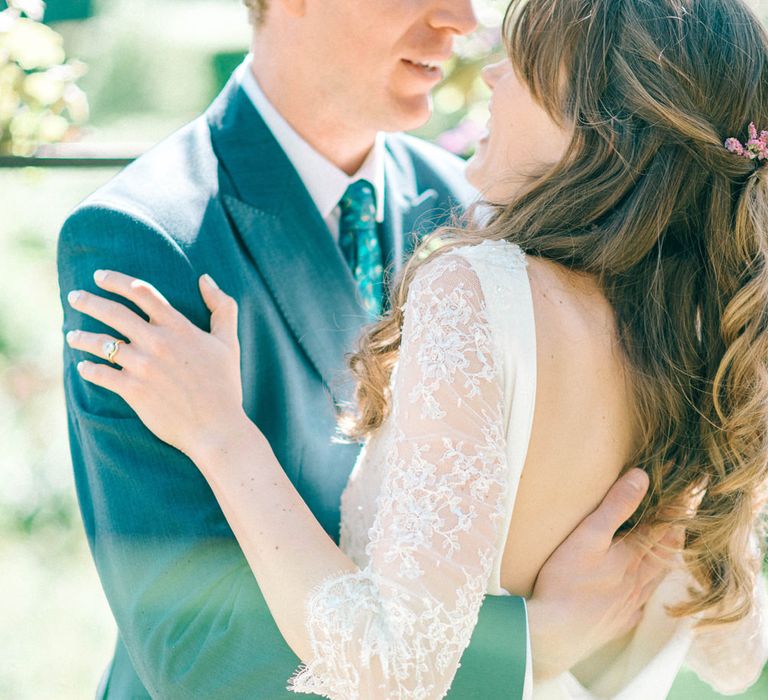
[110, 77]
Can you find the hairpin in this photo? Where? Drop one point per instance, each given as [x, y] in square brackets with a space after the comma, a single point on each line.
[756, 148]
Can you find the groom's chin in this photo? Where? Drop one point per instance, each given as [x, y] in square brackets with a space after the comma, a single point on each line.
[412, 113]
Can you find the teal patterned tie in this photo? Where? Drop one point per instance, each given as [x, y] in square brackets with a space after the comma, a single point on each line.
[359, 243]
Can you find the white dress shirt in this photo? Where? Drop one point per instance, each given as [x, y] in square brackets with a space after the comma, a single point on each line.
[325, 182]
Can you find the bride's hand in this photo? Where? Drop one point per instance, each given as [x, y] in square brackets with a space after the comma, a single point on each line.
[183, 383]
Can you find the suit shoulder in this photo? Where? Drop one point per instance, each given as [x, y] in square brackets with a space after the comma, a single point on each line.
[428, 152]
[170, 186]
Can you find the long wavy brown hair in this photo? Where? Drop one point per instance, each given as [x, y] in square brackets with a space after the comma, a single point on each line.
[675, 229]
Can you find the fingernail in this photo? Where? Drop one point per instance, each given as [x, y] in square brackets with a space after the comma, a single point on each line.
[209, 280]
[99, 275]
[81, 366]
[71, 336]
[73, 296]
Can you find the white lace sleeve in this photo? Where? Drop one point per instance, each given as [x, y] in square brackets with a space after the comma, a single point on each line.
[398, 628]
[731, 658]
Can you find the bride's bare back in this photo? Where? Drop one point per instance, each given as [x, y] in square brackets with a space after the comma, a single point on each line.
[583, 432]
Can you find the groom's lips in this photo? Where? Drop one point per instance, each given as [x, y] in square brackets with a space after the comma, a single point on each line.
[427, 69]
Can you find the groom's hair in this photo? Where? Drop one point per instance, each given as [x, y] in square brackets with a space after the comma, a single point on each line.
[257, 11]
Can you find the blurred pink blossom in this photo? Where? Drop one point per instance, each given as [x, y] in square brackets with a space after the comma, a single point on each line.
[462, 139]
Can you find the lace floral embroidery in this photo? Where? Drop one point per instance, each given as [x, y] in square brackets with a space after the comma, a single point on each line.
[397, 628]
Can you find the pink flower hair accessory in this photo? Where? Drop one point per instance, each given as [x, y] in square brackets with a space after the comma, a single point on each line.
[756, 148]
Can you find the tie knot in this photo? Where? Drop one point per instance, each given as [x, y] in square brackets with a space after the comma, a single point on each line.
[359, 200]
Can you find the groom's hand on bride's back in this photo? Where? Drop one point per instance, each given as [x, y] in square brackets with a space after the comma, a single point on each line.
[593, 588]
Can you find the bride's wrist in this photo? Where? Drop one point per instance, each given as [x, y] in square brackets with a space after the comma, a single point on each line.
[221, 443]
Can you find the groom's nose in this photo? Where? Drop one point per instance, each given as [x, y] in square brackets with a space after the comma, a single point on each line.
[458, 16]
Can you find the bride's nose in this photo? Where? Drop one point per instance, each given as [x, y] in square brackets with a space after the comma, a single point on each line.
[493, 72]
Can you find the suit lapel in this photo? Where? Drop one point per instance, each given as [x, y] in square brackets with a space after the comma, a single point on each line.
[405, 209]
[289, 242]
[310, 283]
[287, 239]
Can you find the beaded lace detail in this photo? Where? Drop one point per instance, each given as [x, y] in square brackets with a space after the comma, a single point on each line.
[398, 627]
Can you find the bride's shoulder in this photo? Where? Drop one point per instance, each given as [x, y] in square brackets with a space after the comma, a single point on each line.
[472, 263]
[498, 252]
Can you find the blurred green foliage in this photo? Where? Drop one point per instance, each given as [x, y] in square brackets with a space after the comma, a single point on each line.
[60, 10]
[56, 10]
[40, 102]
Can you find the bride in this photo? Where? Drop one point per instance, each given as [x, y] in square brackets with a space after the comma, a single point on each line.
[610, 312]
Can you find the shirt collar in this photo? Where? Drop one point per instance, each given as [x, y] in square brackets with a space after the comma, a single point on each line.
[325, 182]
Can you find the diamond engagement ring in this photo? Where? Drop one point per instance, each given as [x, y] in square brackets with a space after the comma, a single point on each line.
[110, 349]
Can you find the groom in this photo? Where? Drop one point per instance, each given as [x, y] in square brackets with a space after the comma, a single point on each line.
[287, 192]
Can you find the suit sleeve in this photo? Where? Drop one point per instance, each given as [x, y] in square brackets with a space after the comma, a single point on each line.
[186, 604]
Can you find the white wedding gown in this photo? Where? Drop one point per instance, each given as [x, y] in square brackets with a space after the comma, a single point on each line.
[427, 509]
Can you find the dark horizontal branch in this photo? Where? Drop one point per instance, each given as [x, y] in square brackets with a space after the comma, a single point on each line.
[77, 155]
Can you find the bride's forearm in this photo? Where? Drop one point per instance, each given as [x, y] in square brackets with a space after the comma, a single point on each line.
[286, 548]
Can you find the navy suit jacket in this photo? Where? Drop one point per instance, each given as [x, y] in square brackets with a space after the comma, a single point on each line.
[220, 196]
